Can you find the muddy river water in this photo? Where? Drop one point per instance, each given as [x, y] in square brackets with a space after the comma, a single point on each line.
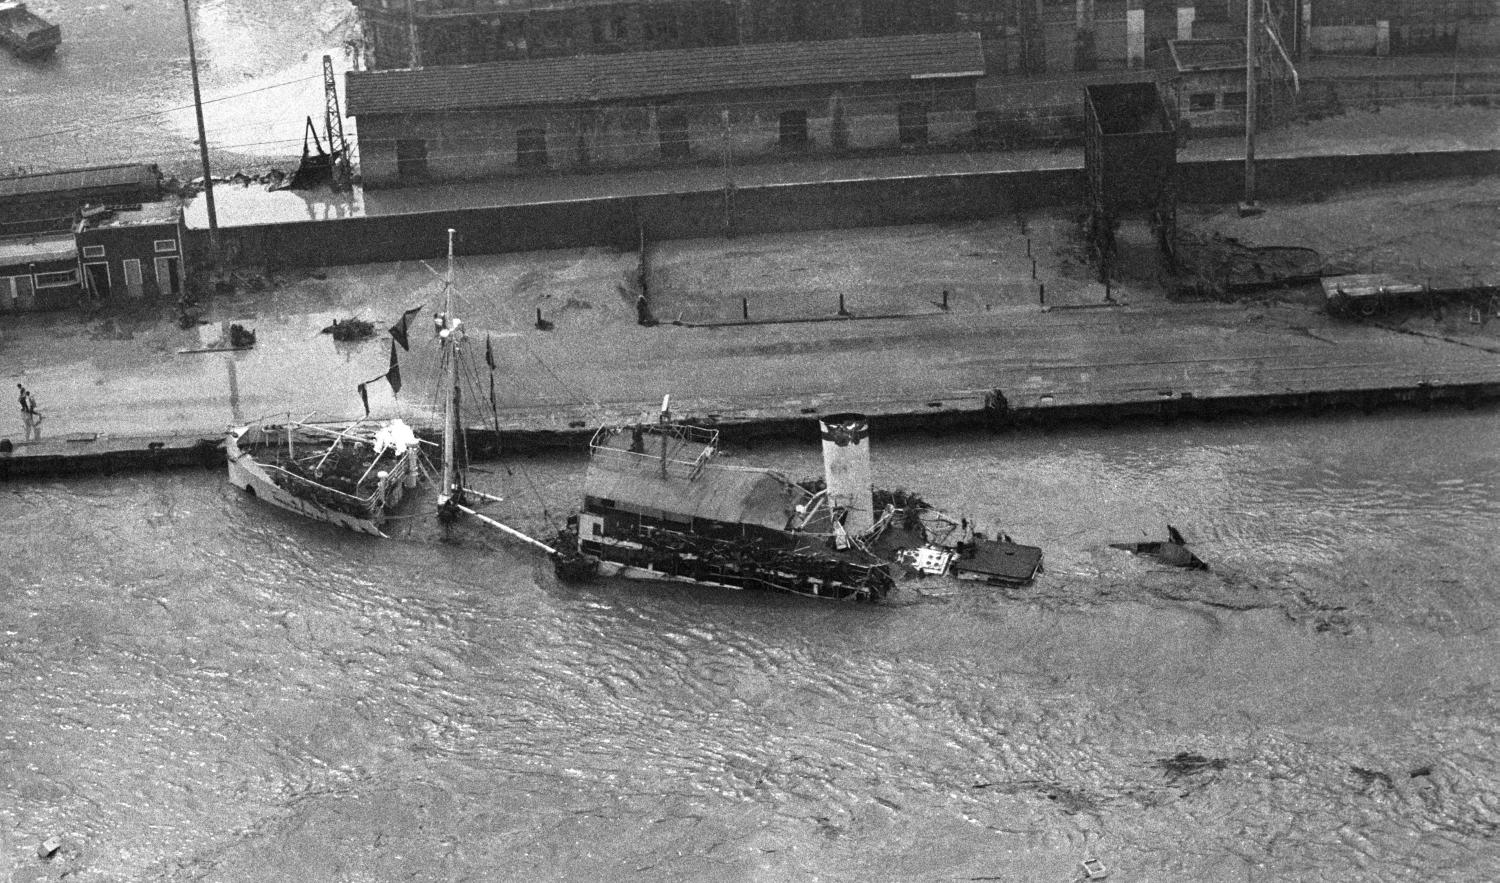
[196, 687]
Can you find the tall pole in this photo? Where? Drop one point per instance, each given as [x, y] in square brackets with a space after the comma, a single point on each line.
[449, 327]
[728, 178]
[208, 178]
[1251, 57]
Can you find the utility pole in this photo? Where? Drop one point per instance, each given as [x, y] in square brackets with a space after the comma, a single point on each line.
[1252, 41]
[413, 36]
[208, 178]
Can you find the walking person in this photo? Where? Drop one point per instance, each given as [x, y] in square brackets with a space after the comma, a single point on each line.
[24, 398]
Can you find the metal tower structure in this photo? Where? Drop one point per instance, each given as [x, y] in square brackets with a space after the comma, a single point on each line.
[333, 122]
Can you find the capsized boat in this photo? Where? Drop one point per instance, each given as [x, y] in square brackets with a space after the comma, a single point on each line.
[352, 476]
[355, 475]
[659, 506]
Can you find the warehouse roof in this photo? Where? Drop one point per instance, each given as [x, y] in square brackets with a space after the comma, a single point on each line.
[594, 78]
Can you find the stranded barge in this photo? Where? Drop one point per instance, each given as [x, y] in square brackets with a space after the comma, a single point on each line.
[658, 506]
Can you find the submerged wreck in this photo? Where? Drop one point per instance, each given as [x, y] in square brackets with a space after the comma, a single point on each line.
[659, 506]
[1172, 551]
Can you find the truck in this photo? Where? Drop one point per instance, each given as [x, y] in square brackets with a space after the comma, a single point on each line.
[25, 33]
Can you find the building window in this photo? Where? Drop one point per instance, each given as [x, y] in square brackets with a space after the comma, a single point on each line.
[163, 246]
[93, 251]
[672, 128]
[411, 158]
[911, 122]
[56, 280]
[794, 129]
[1201, 101]
[531, 148]
[1234, 100]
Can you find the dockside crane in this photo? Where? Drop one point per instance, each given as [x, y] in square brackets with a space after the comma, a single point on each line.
[333, 125]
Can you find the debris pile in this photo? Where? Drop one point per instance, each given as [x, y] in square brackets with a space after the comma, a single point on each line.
[351, 329]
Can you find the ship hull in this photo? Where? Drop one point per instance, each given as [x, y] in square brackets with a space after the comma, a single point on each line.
[250, 476]
[804, 575]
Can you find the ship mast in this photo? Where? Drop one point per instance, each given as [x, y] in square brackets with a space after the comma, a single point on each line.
[451, 488]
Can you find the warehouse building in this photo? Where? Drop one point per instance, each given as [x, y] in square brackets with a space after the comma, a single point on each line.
[656, 109]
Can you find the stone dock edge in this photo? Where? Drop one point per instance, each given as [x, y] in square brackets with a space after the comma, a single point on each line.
[84, 454]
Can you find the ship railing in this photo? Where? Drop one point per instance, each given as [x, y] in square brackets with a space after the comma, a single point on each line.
[287, 478]
[606, 447]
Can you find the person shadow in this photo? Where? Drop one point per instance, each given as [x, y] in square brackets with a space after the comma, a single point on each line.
[32, 424]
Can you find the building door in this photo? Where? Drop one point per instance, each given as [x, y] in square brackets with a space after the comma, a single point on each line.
[672, 128]
[531, 148]
[911, 122]
[133, 282]
[794, 129]
[411, 158]
[96, 277]
[168, 277]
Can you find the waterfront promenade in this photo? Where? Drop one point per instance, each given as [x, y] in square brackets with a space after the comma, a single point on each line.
[113, 386]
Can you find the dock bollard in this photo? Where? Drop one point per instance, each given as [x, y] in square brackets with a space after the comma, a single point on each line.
[1028, 246]
[945, 299]
[842, 311]
[1041, 292]
[1033, 268]
[1108, 294]
[745, 307]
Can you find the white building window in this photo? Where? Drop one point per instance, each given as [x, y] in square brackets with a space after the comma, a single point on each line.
[93, 251]
[166, 246]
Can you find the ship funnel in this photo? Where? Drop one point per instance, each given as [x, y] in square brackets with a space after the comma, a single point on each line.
[846, 468]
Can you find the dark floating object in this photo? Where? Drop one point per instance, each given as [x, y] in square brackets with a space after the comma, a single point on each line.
[1185, 763]
[1172, 551]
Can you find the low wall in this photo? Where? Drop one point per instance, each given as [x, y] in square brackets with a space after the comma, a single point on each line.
[618, 222]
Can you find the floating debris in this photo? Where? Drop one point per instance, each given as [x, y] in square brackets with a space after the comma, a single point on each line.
[1370, 778]
[1185, 763]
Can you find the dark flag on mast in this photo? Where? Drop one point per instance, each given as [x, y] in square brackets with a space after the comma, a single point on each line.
[394, 374]
[398, 330]
[489, 353]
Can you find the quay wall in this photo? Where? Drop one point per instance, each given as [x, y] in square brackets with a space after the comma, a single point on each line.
[619, 222]
[89, 454]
